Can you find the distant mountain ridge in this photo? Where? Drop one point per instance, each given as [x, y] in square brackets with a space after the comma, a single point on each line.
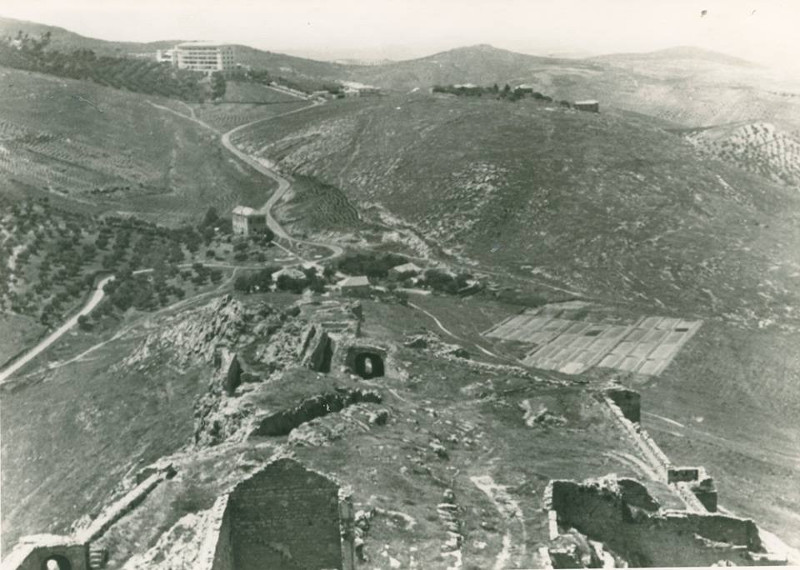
[678, 53]
[688, 86]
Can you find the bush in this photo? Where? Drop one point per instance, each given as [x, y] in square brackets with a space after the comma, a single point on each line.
[83, 323]
[287, 283]
[375, 265]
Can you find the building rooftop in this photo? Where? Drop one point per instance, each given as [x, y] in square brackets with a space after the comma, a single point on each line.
[587, 102]
[201, 44]
[357, 281]
[244, 211]
[407, 268]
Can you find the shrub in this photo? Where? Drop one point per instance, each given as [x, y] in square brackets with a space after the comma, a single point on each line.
[375, 265]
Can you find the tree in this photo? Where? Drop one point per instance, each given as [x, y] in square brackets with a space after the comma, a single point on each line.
[211, 218]
[218, 85]
[83, 323]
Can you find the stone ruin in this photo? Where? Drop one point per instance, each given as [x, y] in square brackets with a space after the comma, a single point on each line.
[325, 349]
[627, 524]
[614, 521]
[48, 552]
[284, 517]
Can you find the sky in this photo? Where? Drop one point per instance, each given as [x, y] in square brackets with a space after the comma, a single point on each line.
[764, 31]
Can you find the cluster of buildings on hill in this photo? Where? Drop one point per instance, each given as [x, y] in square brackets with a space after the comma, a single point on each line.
[207, 57]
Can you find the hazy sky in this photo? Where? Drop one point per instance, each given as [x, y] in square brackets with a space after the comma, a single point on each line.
[760, 30]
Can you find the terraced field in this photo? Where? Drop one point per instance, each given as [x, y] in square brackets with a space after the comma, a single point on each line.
[573, 337]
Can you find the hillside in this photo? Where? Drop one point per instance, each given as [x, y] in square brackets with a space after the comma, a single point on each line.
[610, 205]
[760, 148]
[111, 150]
[65, 40]
[480, 64]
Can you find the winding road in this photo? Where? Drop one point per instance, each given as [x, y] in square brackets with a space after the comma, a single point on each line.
[274, 225]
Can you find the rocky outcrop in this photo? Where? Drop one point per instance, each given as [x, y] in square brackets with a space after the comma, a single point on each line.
[284, 421]
[196, 335]
[358, 418]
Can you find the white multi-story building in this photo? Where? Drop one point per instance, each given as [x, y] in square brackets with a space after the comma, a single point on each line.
[207, 57]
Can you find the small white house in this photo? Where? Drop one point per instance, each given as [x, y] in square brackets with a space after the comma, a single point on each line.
[404, 271]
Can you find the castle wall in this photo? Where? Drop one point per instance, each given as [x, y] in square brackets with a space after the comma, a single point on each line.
[285, 517]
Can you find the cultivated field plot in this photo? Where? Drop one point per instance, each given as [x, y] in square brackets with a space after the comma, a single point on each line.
[572, 337]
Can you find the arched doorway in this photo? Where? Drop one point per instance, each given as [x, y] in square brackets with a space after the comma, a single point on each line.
[368, 365]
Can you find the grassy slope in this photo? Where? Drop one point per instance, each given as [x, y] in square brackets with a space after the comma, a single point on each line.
[18, 332]
[611, 204]
[79, 429]
[111, 149]
[243, 103]
[735, 394]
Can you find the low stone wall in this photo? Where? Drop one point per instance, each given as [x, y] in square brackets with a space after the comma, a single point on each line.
[645, 444]
[123, 506]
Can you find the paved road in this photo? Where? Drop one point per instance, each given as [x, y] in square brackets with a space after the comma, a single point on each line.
[97, 296]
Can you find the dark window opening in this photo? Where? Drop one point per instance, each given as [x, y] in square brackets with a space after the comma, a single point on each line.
[327, 357]
[369, 365]
[56, 562]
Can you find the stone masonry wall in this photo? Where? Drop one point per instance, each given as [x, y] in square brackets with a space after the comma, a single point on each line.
[285, 517]
[597, 510]
[33, 556]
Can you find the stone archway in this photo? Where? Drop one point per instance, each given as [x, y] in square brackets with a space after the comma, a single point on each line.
[368, 365]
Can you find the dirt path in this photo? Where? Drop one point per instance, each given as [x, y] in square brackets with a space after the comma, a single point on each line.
[45, 343]
[191, 117]
[451, 334]
[513, 553]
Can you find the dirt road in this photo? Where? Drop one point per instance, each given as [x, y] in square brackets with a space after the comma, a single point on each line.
[45, 343]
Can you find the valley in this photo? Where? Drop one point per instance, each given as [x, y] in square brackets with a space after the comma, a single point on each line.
[555, 258]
